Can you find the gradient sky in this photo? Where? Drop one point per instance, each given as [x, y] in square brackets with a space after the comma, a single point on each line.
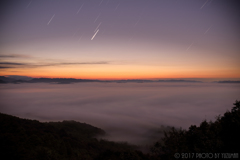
[120, 39]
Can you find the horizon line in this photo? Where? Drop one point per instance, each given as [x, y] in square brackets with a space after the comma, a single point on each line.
[119, 78]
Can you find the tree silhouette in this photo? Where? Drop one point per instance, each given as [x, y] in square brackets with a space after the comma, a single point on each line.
[221, 136]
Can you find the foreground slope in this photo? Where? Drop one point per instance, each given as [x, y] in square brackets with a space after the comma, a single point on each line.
[30, 139]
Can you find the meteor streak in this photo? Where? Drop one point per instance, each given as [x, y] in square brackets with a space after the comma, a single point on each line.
[189, 47]
[80, 9]
[29, 4]
[98, 26]
[95, 34]
[97, 17]
[208, 29]
[51, 19]
[204, 4]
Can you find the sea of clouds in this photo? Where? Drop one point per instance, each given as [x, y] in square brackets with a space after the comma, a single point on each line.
[130, 112]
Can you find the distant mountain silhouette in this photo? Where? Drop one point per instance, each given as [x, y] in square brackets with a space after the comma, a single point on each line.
[177, 80]
[228, 81]
[60, 80]
[4, 79]
[22, 79]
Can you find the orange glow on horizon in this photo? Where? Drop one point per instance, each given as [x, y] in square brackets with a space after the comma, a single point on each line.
[119, 74]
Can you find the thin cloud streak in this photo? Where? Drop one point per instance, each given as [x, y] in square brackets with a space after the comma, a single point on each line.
[37, 64]
[11, 63]
[14, 56]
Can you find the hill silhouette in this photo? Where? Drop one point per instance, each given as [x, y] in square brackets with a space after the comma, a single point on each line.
[30, 139]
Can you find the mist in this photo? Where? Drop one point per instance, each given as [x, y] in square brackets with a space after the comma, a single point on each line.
[131, 112]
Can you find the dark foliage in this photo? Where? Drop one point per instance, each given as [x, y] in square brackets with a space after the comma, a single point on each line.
[221, 136]
[70, 140]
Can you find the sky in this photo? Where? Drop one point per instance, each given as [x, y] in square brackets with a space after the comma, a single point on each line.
[132, 112]
[120, 39]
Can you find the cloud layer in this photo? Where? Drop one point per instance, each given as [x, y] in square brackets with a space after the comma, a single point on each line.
[127, 111]
[21, 61]
[39, 64]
